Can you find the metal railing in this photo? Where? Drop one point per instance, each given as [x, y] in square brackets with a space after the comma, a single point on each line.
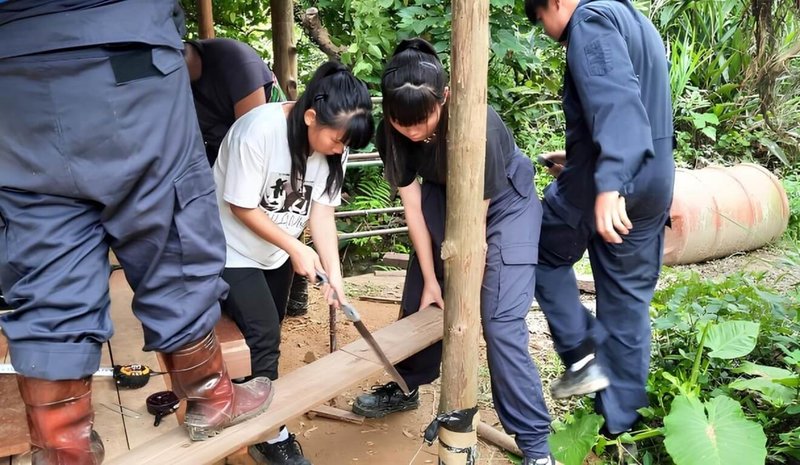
[357, 160]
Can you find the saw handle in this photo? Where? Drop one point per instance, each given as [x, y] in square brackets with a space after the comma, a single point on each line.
[349, 311]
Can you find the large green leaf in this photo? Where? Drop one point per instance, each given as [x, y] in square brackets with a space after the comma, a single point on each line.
[572, 444]
[723, 437]
[765, 371]
[776, 394]
[732, 339]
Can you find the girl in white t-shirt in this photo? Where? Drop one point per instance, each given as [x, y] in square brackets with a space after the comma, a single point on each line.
[280, 166]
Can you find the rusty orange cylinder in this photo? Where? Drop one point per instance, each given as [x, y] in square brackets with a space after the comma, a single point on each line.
[718, 211]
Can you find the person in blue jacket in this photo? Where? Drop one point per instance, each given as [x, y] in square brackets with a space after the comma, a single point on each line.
[100, 149]
[612, 196]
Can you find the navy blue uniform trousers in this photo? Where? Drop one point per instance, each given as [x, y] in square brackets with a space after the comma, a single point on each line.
[512, 234]
[625, 277]
[101, 148]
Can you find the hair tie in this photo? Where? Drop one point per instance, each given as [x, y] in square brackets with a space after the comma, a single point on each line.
[319, 97]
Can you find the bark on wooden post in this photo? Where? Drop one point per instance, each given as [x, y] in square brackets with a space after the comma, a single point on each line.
[283, 47]
[206, 19]
[464, 248]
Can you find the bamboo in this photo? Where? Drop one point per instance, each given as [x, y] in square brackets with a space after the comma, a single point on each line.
[464, 246]
[283, 47]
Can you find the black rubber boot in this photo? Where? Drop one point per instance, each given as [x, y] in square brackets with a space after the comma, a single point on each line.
[385, 399]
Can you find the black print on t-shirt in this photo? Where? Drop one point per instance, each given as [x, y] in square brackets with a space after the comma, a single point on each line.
[281, 198]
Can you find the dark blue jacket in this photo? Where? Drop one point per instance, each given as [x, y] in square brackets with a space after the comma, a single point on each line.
[618, 110]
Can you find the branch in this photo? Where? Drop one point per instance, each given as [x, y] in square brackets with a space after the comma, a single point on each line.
[319, 35]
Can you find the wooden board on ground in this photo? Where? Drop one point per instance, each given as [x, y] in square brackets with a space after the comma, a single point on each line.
[326, 411]
[399, 260]
[585, 283]
[126, 348]
[14, 438]
[317, 382]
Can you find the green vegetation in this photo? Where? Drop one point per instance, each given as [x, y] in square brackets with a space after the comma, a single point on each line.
[726, 352]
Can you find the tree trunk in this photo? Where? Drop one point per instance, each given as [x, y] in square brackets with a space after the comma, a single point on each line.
[464, 248]
[285, 67]
[205, 19]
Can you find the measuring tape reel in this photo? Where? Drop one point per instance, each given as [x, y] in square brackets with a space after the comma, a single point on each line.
[133, 376]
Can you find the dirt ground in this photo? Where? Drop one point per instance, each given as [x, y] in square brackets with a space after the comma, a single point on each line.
[393, 440]
[397, 439]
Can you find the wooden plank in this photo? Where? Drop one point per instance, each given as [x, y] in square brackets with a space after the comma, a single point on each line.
[234, 348]
[326, 411]
[14, 437]
[126, 348]
[399, 260]
[585, 283]
[318, 382]
[381, 300]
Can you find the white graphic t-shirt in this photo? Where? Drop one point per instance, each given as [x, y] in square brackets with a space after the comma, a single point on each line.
[253, 171]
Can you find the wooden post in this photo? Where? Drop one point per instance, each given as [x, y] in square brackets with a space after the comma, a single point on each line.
[206, 19]
[283, 48]
[464, 247]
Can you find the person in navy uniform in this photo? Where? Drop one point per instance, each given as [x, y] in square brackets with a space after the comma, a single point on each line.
[412, 142]
[100, 149]
[612, 196]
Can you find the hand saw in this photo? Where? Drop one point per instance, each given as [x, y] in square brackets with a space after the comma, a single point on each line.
[352, 315]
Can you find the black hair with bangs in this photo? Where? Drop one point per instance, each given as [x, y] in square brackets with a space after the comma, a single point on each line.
[530, 9]
[340, 100]
[413, 85]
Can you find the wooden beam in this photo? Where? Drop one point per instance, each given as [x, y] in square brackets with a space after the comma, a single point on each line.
[464, 246]
[318, 382]
[326, 411]
[283, 47]
[205, 19]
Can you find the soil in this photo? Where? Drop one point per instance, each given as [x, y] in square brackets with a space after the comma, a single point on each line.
[393, 440]
[397, 439]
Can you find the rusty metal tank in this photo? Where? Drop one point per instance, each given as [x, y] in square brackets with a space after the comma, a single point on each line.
[718, 211]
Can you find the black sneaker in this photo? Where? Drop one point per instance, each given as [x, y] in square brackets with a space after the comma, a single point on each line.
[550, 460]
[385, 399]
[589, 378]
[286, 452]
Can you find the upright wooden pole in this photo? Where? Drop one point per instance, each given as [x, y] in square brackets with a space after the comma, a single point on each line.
[283, 48]
[206, 19]
[464, 247]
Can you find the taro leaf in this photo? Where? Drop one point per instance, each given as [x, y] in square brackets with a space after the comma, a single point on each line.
[765, 371]
[732, 339]
[572, 444]
[723, 437]
[774, 393]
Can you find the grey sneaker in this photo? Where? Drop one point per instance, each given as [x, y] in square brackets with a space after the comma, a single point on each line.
[589, 378]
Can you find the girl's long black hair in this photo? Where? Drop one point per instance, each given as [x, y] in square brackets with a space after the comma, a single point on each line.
[413, 85]
[340, 100]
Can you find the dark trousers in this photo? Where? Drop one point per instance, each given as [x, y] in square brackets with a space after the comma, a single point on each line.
[257, 303]
[512, 234]
[100, 148]
[625, 277]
